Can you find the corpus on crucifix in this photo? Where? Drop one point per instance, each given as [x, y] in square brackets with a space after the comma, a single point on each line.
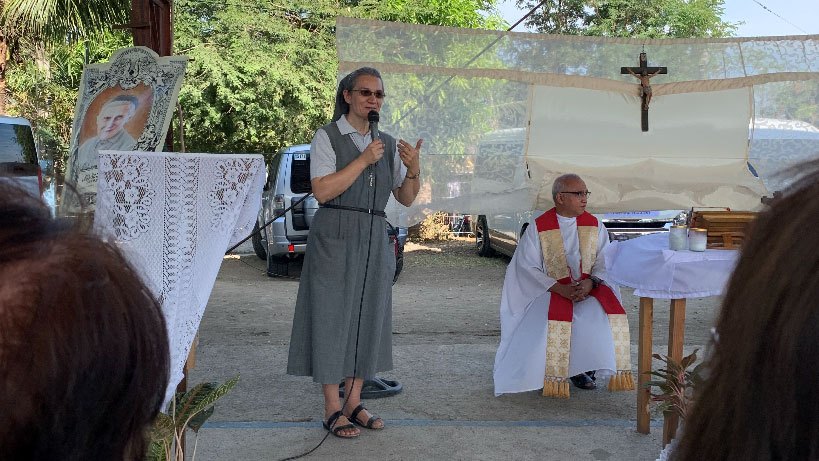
[644, 74]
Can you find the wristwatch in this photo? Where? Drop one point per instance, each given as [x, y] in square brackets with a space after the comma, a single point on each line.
[596, 282]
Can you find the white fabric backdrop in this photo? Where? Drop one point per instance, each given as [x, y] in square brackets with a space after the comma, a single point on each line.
[174, 216]
[469, 94]
[694, 154]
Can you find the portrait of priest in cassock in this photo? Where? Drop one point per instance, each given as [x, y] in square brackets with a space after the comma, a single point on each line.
[560, 321]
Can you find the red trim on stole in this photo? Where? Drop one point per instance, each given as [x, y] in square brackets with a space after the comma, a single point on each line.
[562, 308]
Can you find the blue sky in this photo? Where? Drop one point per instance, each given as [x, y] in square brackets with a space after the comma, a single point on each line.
[786, 17]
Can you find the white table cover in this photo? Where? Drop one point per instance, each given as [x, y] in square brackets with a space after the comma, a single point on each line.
[174, 216]
[654, 271]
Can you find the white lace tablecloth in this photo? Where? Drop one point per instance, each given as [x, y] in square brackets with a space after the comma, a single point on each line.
[174, 216]
[654, 271]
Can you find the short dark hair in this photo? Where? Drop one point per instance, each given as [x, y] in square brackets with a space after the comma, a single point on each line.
[759, 400]
[84, 358]
[348, 83]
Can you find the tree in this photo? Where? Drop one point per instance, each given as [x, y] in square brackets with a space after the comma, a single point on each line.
[263, 73]
[630, 18]
[43, 85]
[53, 22]
[56, 20]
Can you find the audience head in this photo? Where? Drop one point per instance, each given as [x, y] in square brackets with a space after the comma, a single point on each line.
[84, 359]
[759, 400]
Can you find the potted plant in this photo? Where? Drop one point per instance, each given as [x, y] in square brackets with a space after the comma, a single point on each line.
[675, 387]
[189, 410]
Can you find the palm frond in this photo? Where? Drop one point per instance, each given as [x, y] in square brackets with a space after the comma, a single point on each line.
[200, 398]
[58, 20]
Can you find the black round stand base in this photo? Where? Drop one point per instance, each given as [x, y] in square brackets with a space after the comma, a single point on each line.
[376, 388]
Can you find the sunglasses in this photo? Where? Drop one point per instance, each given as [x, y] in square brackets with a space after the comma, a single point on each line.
[367, 93]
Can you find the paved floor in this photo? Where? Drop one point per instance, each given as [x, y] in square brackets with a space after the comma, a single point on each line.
[446, 333]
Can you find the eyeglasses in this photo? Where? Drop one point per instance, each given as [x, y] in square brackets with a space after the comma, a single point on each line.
[579, 193]
[367, 93]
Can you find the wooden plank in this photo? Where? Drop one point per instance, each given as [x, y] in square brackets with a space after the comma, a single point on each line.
[676, 334]
[644, 364]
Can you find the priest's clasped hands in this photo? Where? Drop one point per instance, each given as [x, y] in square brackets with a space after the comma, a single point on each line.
[575, 291]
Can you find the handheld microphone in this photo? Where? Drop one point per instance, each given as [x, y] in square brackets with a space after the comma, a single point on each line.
[373, 117]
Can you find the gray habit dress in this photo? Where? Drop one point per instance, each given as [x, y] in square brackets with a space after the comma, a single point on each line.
[343, 321]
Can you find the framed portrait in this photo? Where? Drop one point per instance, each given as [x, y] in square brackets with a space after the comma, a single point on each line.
[125, 104]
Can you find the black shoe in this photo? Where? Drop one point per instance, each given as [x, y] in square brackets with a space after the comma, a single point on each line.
[583, 381]
[590, 374]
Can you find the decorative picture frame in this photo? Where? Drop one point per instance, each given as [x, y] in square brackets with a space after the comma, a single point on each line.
[124, 104]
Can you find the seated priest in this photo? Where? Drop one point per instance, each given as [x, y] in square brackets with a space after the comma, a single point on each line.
[560, 320]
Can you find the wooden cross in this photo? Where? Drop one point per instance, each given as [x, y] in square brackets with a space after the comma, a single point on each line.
[644, 73]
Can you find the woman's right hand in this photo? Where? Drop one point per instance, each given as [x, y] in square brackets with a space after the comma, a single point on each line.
[373, 152]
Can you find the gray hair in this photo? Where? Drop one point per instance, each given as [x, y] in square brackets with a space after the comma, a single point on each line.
[560, 183]
[348, 83]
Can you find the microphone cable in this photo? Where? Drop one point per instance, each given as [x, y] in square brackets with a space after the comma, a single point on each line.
[276, 216]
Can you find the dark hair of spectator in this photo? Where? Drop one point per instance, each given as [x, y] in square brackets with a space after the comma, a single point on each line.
[348, 83]
[759, 400]
[84, 358]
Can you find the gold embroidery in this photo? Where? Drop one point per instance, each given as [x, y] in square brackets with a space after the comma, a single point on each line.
[622, 341]
[588, 236]
[558, 346]
[554, 255]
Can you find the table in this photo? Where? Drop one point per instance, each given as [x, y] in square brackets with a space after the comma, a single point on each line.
[656, 272]
[173, 215]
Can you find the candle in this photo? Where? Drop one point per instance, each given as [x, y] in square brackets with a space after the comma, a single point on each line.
[697, 238]
[677, 238]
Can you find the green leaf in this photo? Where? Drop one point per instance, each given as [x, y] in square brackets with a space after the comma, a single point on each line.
[198, 420]
[199, 399]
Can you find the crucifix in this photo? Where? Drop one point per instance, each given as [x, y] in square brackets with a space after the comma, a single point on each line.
[644, 73]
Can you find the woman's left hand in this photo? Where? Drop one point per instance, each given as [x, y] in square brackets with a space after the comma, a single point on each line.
[410, 155]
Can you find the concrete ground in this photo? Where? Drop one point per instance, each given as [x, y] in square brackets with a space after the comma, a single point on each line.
[446, 331]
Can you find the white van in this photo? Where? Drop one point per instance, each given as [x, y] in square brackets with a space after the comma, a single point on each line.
[19, 160]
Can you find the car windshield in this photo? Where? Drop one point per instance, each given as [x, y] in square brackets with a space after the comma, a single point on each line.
[17, 144]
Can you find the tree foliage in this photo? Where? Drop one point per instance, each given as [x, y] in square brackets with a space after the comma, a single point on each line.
[43, 85]
[54, 21]
[630, 18]
[263, 73]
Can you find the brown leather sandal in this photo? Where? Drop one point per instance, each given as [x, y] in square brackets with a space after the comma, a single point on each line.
[336, 431]
[369, 424]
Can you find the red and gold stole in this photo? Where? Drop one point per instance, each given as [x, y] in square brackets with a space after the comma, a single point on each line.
[558, 344]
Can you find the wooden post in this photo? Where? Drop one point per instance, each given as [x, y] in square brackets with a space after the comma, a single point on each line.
[152, 27]
[676, 333]
[644, 364]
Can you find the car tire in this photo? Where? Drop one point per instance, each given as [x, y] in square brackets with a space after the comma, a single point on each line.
[482, 242]
[258, 247]
[399, 263]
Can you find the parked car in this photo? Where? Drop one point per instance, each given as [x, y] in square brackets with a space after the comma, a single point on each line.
[500, 233]
[285, 237]
[18, 155]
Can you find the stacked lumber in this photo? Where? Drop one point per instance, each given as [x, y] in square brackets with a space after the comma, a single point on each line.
[726, 229]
